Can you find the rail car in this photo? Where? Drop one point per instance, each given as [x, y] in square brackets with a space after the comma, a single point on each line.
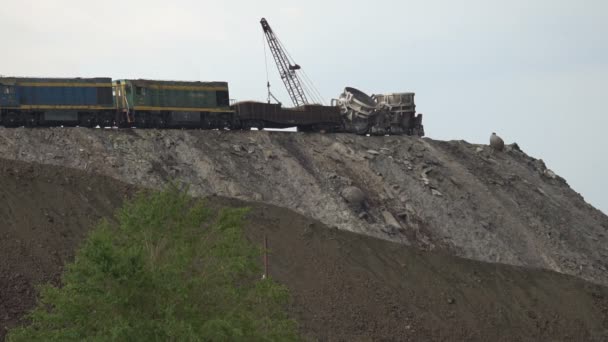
[138, 103]
[172, 104]
[56, 101]
[306, 118]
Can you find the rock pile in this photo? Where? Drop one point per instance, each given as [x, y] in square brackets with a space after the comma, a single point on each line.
[458, 197]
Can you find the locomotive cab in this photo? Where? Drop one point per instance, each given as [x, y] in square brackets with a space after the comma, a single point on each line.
[9, 96]
[152, 103]
[9, 100]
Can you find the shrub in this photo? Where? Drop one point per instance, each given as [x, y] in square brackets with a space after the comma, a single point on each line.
[170, 269]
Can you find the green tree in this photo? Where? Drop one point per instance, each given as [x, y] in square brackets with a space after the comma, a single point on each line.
[170, 269]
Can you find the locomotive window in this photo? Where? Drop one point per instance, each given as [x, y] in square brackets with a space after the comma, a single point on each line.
[140, 91]
[7, 90]
[221, 98]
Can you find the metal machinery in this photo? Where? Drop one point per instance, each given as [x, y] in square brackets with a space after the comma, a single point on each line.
[287, 69]
[357, 110]
[400, 112]
[362, 114]
[379, 114]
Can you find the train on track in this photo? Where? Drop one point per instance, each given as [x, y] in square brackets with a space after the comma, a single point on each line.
[92, 102]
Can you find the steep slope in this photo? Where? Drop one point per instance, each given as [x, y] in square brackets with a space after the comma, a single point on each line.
[345, 286]
[461, 198]
[350, 287]
[45, 212]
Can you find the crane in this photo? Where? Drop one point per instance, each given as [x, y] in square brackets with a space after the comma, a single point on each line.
[297, 90]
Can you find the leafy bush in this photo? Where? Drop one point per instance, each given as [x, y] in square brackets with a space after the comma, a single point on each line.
[171, 269]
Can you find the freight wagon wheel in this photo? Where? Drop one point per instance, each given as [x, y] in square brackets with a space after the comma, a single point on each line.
[107, 122]
[104, 119]
[206, 123]
[246, 126]
[396, 130]
[236, 124]
[249, 124]
[304, 129]
[142, 121]
[86, 120]
[159, 123]
[11, 120]
[321, 128]
[31, 121]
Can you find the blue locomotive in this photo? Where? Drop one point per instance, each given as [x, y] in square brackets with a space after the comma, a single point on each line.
[56, 101]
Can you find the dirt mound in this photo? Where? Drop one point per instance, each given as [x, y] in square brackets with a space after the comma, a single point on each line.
[345, 286]
[349, 287]
[46, 211]
[453, 196]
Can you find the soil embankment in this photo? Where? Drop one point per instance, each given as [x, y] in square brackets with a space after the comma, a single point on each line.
[451, 196]
[45, 212]
[345, 286]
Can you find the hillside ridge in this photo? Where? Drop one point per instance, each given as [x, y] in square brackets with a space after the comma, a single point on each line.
[344, 286]
[462, 198]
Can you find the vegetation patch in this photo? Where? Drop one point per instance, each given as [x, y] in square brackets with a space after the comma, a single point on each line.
[170, 269]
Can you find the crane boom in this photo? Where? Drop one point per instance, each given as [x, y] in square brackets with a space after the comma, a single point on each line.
[287, 70]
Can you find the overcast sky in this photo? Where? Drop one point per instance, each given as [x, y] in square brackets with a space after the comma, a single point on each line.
[536, 72]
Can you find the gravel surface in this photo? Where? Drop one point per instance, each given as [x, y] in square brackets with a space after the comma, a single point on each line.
[467, 200]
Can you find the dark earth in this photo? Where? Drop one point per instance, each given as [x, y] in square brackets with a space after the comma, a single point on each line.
[344, 286]
[463, 199]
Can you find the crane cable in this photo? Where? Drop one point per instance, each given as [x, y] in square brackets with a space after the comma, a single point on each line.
[266, 65]
[307, 84]
[310, 87]
[316, 91]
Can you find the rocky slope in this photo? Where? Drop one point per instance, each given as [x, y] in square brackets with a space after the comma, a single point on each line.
[461, 198]
[344, 286]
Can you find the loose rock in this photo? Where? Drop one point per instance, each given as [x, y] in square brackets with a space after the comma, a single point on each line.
[390, 220]
[496, 142]
[353, 195]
